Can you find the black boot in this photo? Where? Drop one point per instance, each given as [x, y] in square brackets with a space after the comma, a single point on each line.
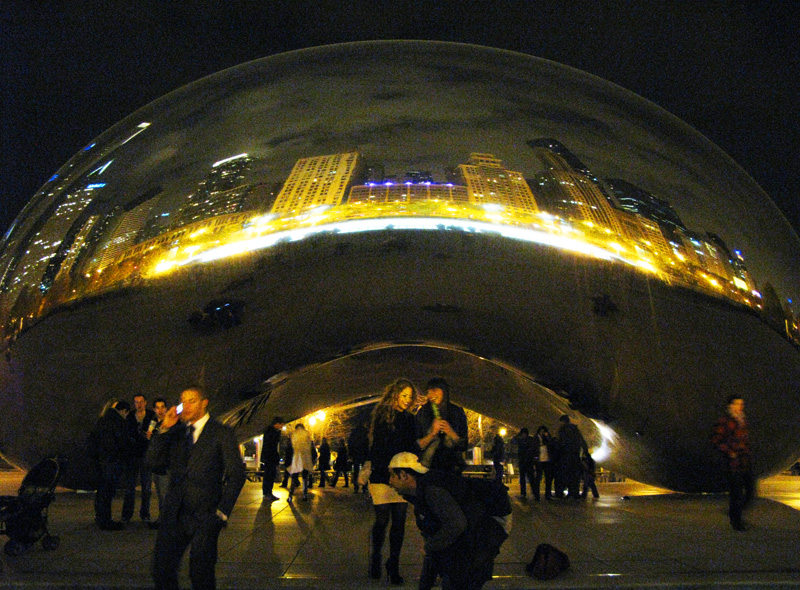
[375, 565]
[392, 568]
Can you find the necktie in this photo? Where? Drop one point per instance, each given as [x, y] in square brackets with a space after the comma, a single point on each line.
[190, 435]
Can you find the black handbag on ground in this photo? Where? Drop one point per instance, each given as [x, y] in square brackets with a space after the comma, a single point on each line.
[547, 562]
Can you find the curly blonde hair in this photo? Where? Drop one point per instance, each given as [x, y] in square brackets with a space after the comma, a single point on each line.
[386, 411]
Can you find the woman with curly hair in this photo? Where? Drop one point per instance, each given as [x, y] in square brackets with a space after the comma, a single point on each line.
[392, 431]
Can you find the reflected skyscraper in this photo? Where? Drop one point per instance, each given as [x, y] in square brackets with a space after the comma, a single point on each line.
[489, 183]
[315, 182]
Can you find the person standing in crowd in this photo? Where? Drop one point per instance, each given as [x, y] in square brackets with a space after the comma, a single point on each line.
[462, 538]
[324, 461]
[731, 437]
[206, 475]
[392, 431]
[589, 476]
[270, 458]
[498, 454]
[141, 422]
[545, 465]
[572, 446]
[358, 447]
[441, 425]
[302, 461]
[111, 444]
[527, 463]
[160, 476]
[341, 465]
[288, 455]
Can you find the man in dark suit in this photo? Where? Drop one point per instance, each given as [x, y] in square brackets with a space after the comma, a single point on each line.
[206, 475]
[270, 457]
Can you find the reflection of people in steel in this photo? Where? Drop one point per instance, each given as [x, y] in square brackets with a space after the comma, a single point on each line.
[732, 439]
[392, 431]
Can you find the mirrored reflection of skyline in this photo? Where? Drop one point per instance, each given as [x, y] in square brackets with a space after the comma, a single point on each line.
[560, 203]
[337, 137]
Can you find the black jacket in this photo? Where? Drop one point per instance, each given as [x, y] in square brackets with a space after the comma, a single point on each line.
[269, 452]
[110, 441]
[138, 431]
[445, 457]
[387, 441]
[204, 477]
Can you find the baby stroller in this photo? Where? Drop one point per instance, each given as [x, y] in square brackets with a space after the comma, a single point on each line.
[23, 517]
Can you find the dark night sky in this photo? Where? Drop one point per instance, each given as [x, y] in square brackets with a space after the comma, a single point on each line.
[73, 69]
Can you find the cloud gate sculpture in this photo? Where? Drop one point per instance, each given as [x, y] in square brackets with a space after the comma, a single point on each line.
[298, 231]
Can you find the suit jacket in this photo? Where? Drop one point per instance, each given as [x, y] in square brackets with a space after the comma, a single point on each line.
[204, 477]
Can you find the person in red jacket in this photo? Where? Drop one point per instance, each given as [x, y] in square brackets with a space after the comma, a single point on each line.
[732, 439]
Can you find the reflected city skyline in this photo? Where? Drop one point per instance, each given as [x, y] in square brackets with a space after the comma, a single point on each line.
[559, 202]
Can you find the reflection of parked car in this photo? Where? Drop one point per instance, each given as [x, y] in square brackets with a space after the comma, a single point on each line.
[218, 313]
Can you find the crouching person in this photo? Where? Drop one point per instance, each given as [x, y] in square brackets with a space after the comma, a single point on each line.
[462, 535]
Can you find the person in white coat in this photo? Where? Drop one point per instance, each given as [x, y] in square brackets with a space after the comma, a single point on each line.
[302, 462]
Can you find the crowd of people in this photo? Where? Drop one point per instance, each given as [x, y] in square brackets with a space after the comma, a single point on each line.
[198, 472]
[563, 461]
[400, 456]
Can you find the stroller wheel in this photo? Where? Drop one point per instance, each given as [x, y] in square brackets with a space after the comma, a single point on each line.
[14, 547]
[50, 542]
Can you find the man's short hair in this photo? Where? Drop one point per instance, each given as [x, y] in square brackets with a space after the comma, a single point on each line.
[141, 395]
[122, 406]
[733, 398]
[200, 391]
[159, 399]
[524, 431]
[278, 420]
[407, 461]
[564, 419]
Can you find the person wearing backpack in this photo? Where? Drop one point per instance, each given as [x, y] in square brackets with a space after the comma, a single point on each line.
[462, 533]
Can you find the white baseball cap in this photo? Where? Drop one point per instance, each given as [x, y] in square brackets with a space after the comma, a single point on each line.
[408, 461]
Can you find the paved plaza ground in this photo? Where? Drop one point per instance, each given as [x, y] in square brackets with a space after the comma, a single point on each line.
[633, 536]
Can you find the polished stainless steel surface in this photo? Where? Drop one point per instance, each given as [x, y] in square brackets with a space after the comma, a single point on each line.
[299, 230]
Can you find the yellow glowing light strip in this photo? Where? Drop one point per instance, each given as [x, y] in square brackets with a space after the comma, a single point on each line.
[414, 223]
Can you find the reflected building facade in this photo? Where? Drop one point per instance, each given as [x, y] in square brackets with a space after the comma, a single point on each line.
[169, 209]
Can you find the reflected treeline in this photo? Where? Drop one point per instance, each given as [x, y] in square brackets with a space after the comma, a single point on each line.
[83, 243]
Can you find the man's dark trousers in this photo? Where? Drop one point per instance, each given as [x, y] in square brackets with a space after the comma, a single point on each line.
[742, 492]
[201, 532]
[136, 470]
